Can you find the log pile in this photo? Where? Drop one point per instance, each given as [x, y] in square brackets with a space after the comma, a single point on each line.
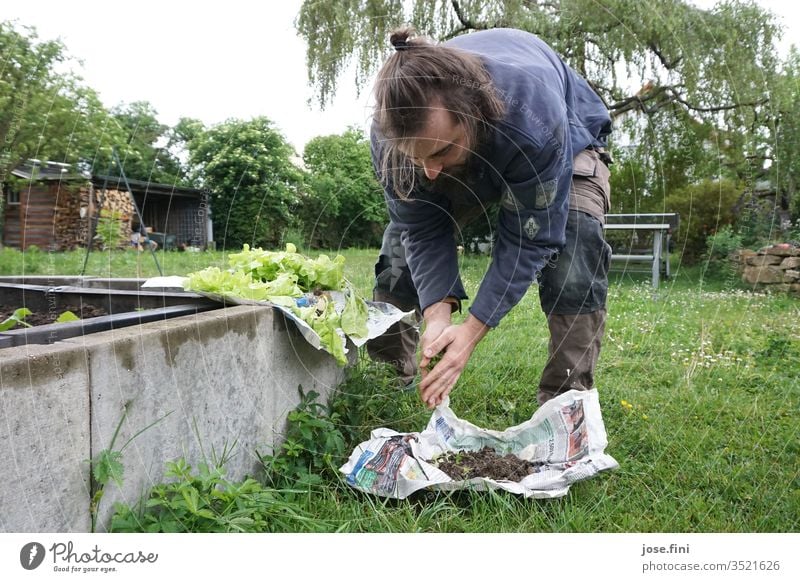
[68, 227]
[118, 203]
[78, 206]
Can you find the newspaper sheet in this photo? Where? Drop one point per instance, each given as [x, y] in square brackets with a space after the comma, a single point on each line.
[566, 435]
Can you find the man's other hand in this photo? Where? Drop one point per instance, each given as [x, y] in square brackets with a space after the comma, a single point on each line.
[455, 343]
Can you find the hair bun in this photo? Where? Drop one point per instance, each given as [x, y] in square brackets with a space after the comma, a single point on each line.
[400, 38]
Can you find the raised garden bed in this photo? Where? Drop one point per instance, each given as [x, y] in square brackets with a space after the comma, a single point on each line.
[101, 305]
[46, 317]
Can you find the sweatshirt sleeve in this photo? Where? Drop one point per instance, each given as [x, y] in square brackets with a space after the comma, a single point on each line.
[427, 237]
[426, 224]
[531, 225]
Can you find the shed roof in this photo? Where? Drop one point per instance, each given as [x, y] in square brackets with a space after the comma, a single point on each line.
[37, 170]
[148, 188]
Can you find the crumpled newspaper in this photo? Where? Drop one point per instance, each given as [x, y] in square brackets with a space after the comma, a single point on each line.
[380, 316]
[566, 435]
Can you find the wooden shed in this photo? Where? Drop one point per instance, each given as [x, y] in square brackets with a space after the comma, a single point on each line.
[51, 206]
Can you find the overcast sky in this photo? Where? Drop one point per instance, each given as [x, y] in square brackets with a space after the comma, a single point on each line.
[237, 59]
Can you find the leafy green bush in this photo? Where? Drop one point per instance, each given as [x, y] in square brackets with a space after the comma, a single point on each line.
[205, 501]
[248, 167]
[314, 445]
[343, 204]
[756, 224]
[793, 232]
[110, 230]
[719, 247]
[704, 208]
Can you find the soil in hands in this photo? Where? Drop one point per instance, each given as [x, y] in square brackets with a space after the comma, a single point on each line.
[84, 311]
[463, 465]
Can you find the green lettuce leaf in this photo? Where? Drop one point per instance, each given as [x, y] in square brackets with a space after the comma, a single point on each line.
[322, 273]
[354, 316]
[324, 320]
[282, 276]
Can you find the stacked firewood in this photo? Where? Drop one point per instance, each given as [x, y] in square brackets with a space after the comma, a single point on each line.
[118, 201]
[78, 208]
[66, 216]
[117, 204]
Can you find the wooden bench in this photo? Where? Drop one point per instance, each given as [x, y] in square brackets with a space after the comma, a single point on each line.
[658, 227]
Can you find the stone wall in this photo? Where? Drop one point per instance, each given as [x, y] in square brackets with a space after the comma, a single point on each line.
[774, 268]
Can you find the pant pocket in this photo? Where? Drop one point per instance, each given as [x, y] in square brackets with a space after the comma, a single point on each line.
[590, 190]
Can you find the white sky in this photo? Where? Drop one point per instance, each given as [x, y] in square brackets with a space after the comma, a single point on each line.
[214, 62]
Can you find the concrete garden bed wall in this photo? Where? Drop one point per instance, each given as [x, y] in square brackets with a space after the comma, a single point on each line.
[225, 376]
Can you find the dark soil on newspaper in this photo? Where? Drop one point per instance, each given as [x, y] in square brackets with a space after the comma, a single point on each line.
[84, 311]
[463, 465]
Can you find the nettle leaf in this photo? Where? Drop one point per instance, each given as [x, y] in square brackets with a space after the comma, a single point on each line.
[206, 513]
[192, 498]
[66, 317]
[108, 466]
[16, 318]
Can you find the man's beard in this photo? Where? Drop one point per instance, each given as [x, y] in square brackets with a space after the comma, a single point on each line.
[456, 179]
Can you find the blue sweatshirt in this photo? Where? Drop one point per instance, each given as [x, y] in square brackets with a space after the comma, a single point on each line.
[551, 115]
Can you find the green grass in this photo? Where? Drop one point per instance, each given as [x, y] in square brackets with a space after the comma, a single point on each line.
[104, 263]
[711, 443]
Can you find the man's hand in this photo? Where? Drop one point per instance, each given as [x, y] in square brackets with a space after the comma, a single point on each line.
[457, 343]
[437, 319]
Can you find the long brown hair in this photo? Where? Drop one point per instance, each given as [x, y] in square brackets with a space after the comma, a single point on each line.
[418, 74]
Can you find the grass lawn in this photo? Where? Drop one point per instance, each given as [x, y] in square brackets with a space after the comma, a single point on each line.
[710, 442]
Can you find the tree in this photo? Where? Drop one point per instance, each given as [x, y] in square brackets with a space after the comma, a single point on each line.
[689, 89]
[147, 156]
[784, 136]
[179, 137]
[247, 165]
[681, 54]
[49, 115]
[343, 205]
[704, 209]
[45, 114]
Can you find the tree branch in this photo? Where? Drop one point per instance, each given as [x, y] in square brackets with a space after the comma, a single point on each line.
[467, 24]
[638, 101]
[719, 108]
[533, 4]
[663, 96]
[667, 65]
